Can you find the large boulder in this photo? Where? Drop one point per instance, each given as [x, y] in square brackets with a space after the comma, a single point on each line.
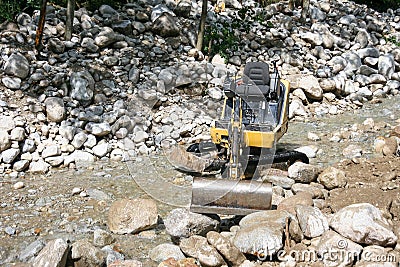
[17, 65]
[166, 26]
[128, 216]
[363, 223]
[53, 254]
[181, 223]
[82, 87]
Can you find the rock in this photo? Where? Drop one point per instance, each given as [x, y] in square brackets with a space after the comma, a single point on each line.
[164, 251]
[13, 83]
[83, 253]
[316, 192]
[50, 151]
[107, 11]
[56, 45]
[21, 165]
[231, 254]
[67, 131]
[79, 156]
[166, 26]
[368, 52]
[106, 37]
[363, 223]
[352, 151]
[55, 161]
[181, 223]
[289, 204]
[271, 217]
[197, 247]
[79, 140]
[259, 239]
[82, 87]
[101, 238]
[7, 123]
[31, 250]
[386, 65]
[101, 150]
[17, 65]
[18, 185]
[125, 263]
[282, 181]
[140, 136]
[18, 134]
[5, 141]
[134, 75]
[332, 178]
[53, 254]
[90, 45]
[171, 262]
[313, 137]
[183, 8]
[311, 87]
[302, 172]
[55, 109]
[311, 220]
[309, 151]
[98, 129]
[372, 254]
[38, 167]
[132, 216]
[332, 241]
[9, 155]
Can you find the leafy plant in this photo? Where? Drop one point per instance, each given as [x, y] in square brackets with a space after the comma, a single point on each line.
[392, 39]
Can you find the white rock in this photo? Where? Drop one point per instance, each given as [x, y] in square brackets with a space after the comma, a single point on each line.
[18, 134]
[5, 141]
[311, 220]
[101, 150]
[18, 185]
[38, 167]
[10, 155]
[140, 136]
[313, 136]
[302, 172]
[50, 151]
[332, 178]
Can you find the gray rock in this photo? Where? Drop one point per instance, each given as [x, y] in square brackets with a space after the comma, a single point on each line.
[5, 141]
[101, 150]
[181, 223]
[312, 38]
[282, 181]
[363, 223]
[362, 38]
[98, 129]
[82, 87]
[259, 239]
[28, 146]
[366, 70]
[352, 151]
[17, 65]
[303, 173]
[55, 161]
[21, 165]
[17, 134]
[56, 45]
[231, 254]
[337, 64]
[123, 26]
[9, 155]
[116, 259]
[84, 253]
[107, 37]
[386, 65]
[198, 247]
[91, 141]
[332, 178]
[183, 8]
[67, 131]
[134, 75]
[79, 156]
[368, 52]
[13, 83]
[55, 109]
[102, 238]
[53, 254]
[31, 250]
[332, 241]
[123, 122]
[50, 151]
[311, 220]
[38, 167]
[90, 45]
[7, 123]
[97, 194]
[137, 25]
[353, 62]
[140, 136]
[127, 216]
[271, 217]
[166, 26]
[79, 140]
[165, 251]
[107, 11]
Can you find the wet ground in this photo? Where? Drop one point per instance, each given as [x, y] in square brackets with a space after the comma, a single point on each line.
[47, 208]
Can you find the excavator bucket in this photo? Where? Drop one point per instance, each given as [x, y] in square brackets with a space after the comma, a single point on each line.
[224, 196]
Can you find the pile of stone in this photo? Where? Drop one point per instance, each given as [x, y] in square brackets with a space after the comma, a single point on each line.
[130, 81]
[307, 226]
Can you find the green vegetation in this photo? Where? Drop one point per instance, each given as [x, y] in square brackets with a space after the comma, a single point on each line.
[10, 8]
[393, 40]
[380, 5]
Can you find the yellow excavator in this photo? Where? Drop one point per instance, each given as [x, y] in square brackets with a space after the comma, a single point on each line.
[254, 117]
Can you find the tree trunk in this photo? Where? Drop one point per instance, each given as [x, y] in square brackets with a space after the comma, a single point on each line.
[291, 4]
[39, 31]
[70, 19]
[305, 10]
[200, 35]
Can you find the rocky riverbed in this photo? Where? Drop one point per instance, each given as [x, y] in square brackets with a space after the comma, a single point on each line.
[84, 124]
